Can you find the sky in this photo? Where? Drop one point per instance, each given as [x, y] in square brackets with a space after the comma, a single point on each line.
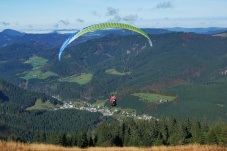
[33, 16]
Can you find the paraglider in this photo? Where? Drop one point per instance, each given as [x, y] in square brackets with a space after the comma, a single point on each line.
[113, 100]
[101, 26]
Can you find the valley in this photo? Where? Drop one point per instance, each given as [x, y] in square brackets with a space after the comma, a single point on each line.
[177, 84]
[103, 106]
[177, 65]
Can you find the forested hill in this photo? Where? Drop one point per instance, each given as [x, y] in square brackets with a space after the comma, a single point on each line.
[20, 97]
[187, 66]
[18, 123]
[11, 36]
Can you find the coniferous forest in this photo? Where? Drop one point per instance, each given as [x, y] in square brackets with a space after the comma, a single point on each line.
[83, 129]
[72, 127]
[141, 133]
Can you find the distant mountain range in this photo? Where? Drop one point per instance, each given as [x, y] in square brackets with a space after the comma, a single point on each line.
[9, 36]
[209, 30]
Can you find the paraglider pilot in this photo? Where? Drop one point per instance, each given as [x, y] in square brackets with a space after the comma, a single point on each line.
[113, 100]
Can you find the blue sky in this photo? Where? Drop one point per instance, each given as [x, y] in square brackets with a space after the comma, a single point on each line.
[46, 15]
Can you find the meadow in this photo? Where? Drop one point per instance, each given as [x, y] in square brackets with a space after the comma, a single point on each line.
[157, 98]
[99, 103]
[36, 73]
[13, 146]
[80, 79]
[39, 105]
[115, 72]
[36, 61]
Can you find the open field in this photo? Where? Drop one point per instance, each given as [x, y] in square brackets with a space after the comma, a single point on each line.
[41, 106]
[157, 98]
[79, 104]
[36, 73]
[36, 61]
[12, 146]
[129, 110]
[115, 72]
[80, 79]
[99, 103]
[221, 35]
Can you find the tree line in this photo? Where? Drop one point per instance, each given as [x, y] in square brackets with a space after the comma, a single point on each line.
[166, 131]
[81, 128]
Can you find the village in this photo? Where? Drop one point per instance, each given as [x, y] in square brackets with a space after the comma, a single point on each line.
[105, 111]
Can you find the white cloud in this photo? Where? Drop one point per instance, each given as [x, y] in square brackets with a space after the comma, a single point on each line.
[164, 5]
[130, 18]
[5, 23]
[80, 20]
[112, 11]
[65, 22]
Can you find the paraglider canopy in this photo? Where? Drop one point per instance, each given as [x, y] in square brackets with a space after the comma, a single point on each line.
[101, 26]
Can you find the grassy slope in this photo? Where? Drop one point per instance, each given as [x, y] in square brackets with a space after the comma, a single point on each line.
[99, 103]
[11, 146]
[41, 106]
[36, 73]
[151, 97]
[80, 79]
[221, 34]
[36, 61]
[115, 72]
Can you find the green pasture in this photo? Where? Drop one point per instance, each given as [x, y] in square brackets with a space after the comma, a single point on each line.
[115, 72]
[80, 79]
[99, 103]
[79, 104]
[39, 105]
[36, 73]
[157, 98]
[124, 115]
[36, 61]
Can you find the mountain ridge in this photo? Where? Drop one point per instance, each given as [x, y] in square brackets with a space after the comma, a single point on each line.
[9, 36]
[198, 30]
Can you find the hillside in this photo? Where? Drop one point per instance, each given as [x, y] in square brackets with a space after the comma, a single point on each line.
[9, 37]
[23, 98]
[82, 129]
[19, 123]
[188, 66]
[170, 94]
[222, 34]
[209, 30]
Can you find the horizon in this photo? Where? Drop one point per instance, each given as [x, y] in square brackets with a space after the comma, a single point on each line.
[70, 31]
